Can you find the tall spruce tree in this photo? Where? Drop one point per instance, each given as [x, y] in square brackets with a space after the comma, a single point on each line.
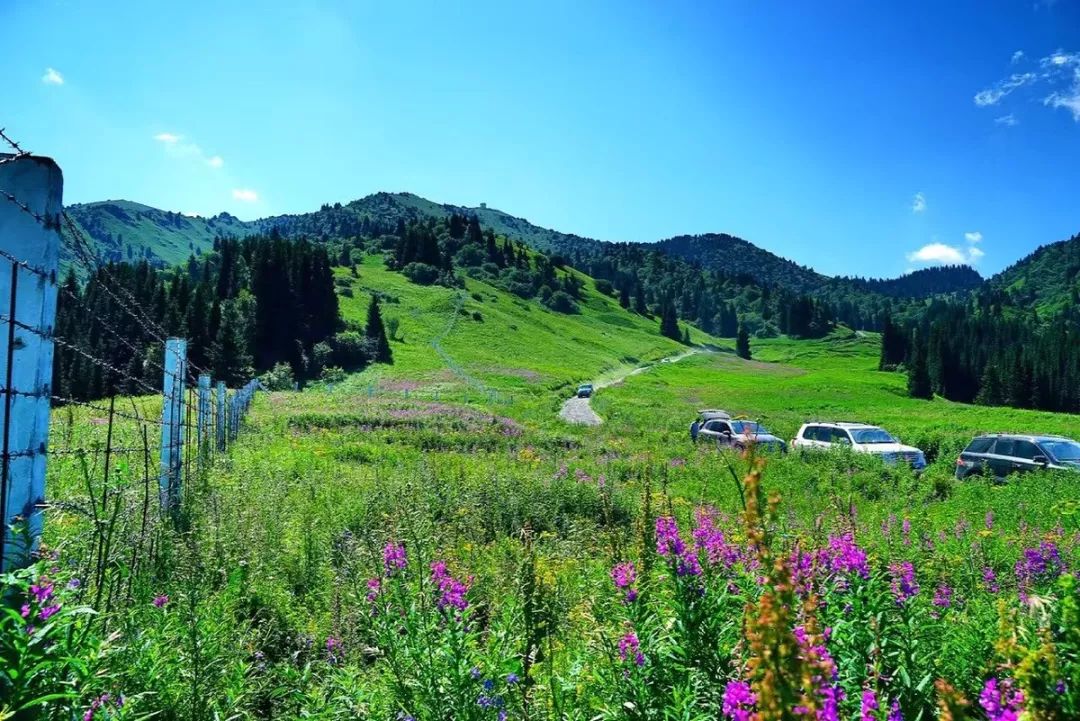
[742, 342]
[376, 332]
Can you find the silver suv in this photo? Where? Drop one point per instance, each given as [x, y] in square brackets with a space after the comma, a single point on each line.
[719, 427]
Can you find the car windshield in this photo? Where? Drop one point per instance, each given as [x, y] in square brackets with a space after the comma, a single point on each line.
[871, 435]
[1063, 450]
[748, 427]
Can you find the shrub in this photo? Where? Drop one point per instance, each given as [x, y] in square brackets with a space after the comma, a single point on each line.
[561, 302]
[351, 350]
[279, 378]
[604, 286]
[421, 273]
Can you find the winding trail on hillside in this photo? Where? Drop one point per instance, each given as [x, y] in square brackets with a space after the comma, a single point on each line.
[579, 410]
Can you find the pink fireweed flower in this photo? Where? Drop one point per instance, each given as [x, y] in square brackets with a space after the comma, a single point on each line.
[374, 586]
[333, 650]
[1001, 701]
[869, 706]
[846, 558]
[630, 649]
[739, 701]
[710, 539]
[42, 591]
[394, 558]
[451, 590]
[668, 541]
[943, 596]
[989, 520]
[677, 462]
[624, 575]
[904, 585]
[990, 580]
[160, 601]
[905, 530]
[48, 611]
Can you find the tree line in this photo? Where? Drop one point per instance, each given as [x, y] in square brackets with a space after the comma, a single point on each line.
[979, 351]
[246, 307]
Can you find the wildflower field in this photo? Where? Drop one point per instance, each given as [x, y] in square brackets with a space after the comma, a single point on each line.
[422, 556]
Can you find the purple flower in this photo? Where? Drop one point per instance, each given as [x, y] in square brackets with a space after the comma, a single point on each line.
[333, 650]
[160, 600]
[475, 673]
[895, 714]
[48, 611]
[668, 541]
[1001, 701]
[710, 539]
[845, 557]
[42, 591]
[374, 586]
[990, 580]
[989, 520]
[25, 610]
[624, 575]
[512, 678]
[74, 583]
[943, 596]
[738, 702]
[869, 705]
[1038, 564]
[630, 648]
[394, 558]
[905, 529]
[677, 462]
[451, 590]
[903, 584]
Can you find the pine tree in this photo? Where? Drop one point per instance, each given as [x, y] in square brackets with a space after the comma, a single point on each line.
[918, 374]
[742, 342]
[376, 332]
[669, 323]
[990, 388]
[624, 296]
[686, 336]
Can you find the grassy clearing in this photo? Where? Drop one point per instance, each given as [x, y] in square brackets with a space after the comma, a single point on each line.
[286, 594]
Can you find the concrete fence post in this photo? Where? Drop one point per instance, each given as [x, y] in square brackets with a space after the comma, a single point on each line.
[28, 267]
[221, 415]
[172, 424]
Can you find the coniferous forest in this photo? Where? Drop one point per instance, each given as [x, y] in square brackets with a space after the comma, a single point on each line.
[247, 306]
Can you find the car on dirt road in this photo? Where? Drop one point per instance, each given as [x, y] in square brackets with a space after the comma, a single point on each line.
[998, 455]
[860, 438]
[585, 390]
[719, 427]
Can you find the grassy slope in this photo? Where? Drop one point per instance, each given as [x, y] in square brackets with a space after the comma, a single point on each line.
[517, 347]
[791, 382]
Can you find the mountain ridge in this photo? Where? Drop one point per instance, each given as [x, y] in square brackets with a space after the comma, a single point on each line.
[169, 237]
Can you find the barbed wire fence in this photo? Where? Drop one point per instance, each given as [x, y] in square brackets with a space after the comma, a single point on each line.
[127, 458]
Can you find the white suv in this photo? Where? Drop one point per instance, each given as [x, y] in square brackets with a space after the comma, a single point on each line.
[860, 438]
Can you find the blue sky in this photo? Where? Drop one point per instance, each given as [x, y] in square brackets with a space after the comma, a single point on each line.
[850, 136]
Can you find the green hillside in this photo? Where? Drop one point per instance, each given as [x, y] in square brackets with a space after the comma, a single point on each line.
[121, 230]
[1048, 279]
[480, 339]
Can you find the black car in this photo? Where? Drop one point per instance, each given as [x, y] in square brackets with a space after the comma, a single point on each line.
[998, 455]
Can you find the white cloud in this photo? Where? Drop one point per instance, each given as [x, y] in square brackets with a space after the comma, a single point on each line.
[167, 138]
[1058, 73]
[215, 161]
[190, 214]
[937, 253]
[918, 203]
[245, 195]
[993, 96]
[52, 77]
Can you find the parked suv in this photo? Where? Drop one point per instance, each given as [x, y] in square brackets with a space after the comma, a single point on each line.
[999, 455]
[721, 428]
[584, 390]
[860, 438]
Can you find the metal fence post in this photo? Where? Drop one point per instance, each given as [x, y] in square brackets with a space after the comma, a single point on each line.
[221, 416]
[203, 418]
[28, 268]
[172, 424]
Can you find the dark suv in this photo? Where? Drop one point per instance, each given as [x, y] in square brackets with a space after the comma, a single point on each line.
[998, 455]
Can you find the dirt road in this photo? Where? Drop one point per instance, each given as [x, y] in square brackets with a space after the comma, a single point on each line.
[578, 410]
